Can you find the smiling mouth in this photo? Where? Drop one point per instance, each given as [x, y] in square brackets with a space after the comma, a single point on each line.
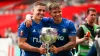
[41, 15]
[56, 19]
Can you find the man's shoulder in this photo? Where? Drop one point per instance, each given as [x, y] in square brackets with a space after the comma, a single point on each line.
[22, 25]
[81, 26]
[67, 21]
[96, 25]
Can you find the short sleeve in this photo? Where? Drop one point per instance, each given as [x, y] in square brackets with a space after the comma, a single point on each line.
[72, 29]
[23, 31]
[80, 32]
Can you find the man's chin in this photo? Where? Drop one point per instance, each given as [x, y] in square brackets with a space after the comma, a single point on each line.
[92, 22]
[40, 18]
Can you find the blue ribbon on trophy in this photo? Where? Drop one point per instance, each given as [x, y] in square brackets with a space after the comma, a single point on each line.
[48, 37]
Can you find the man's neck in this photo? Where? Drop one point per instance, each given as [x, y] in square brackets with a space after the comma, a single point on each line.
[91, 24]
[36, 20]
[58, 22]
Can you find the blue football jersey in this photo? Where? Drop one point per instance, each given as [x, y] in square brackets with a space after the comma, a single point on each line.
[65, 29]
[32, 34]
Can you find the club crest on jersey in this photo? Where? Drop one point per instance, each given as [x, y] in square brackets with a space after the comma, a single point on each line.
[21, 32]
[64, 30]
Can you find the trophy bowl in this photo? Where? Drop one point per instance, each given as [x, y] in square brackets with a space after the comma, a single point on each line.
[48, 35]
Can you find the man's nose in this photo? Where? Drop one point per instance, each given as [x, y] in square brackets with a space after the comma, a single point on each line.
[57, 13]
[93, 15]
[42, 12]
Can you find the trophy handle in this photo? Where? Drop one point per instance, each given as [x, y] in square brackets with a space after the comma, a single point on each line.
[46, 45]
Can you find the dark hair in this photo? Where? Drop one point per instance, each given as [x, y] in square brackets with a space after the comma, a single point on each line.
[53, 5]
[39, 3]
[91, 9]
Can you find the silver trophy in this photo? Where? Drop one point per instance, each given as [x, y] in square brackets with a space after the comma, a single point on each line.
[48, 36]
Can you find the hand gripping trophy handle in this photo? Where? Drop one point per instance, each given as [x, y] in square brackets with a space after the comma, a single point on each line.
[48, 36]
[45, 45]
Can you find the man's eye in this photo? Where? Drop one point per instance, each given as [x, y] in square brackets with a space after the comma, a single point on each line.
[54, 12]
[93, 15]
[59, 11]
[43, 10]
[39, 10]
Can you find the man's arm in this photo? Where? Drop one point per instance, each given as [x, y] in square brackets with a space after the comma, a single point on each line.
[78, 40]
[81, 40]
[69, 45]
[72, 38]
[23, 35]
[28, 21]
[81, 37]
[25, 46]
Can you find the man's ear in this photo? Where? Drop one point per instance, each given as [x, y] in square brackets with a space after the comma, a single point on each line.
[86, 16]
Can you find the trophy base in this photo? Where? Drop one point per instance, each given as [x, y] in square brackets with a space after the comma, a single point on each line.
[48, 54]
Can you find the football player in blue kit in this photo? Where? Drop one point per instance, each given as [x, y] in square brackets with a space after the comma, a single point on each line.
[28, 39]
[66, 31]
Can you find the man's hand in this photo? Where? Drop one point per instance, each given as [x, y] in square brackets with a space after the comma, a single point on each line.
[28, 23]
[54, 49]
[87, 36]
[28, 20]
[42, 50]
